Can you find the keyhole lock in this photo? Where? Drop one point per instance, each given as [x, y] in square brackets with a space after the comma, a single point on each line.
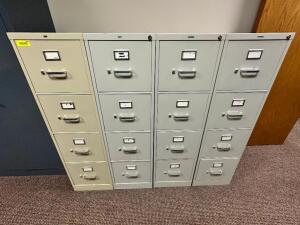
[43, 72]
[173, 71]
[119, 149]
[59, 117]
[170, 115]
[236, 70]
[115, 116]
[108, 71]
[167, 148]
[223, 114]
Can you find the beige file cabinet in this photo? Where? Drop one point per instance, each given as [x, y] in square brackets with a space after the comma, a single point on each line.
[56, 69]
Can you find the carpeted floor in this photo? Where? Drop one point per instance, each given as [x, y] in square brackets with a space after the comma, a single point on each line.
[265, 190]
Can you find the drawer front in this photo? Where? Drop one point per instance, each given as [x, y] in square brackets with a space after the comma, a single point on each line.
[56, 66]
[124, 65]
[181, 111]
[132, 172]
[224, 143]
[89, 173]
[215, 171]
[177, 145]
[235, 110]
[129, 146]
[126, 112]
[174, 170]
[70, 113]
[81, 147]
[249, 65]
[187, 65]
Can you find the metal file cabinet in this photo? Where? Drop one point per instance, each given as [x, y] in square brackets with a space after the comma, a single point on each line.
[185, 74]
[144, 110]
[123, 76]
[56, 68]
[247, 70]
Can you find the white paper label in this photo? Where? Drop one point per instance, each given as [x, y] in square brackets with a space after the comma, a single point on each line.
[188, 55]
[182, 104]
[87, 169]
[254, 53]
[175, 165]
[131, 167]
[51, 55]
[79, 141]
[178, 139]
[121, 55]
[226, 137]
[128, 140]
[217, 165]
[67, 105]
[125, 105]
[238, 102]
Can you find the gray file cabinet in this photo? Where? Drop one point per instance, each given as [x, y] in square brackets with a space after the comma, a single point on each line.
[123, 71]
[247, 70]
[57, 71]
[185, 73]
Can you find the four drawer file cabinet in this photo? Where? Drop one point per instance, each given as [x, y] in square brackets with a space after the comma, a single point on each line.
[57, 71]
[150, 110]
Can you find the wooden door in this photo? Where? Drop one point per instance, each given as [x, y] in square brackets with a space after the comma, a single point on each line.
[282, 107]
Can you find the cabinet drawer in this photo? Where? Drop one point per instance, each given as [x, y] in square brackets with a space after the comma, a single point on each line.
[224, 143]
[81, 147]
[122, 65]
[215, 171]
[235, 110]
[129, 146]
[126, 112]
[180, 170]
[177, 144]
[181, 111]
[56, 66]
[132, 172]
[89, 173]
[70, 113]
[249, 65]
[187, 65]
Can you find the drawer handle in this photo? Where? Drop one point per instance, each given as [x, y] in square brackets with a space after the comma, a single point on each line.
[81, 151]
[174, 173]
[123, 73]
[132, 174]
[181, 116]
[89, 176]
[55, 74]
[223, 147]
[249, 73]
[176, 149]
[234, 115]
[129, 150]
[186, 74]
[74, 118]
[127, 117]
[215, 172]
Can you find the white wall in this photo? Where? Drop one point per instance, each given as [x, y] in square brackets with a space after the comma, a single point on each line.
[153, 15]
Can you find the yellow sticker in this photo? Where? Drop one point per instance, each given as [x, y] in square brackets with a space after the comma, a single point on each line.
[23, 43]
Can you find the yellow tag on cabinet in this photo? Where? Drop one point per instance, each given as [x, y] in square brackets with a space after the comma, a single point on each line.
[23, 43]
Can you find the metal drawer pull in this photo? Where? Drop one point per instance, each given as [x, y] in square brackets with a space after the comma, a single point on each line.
[215, 172]
[127, 117]
[130, 150]
[234, 115]
[223, 147]
[174, 173]
[176, 149]
[123, 73]
[246, 72]
[81, 151]
[73, 118]
[186, 74]
[132, 174]
[181, 116]
[89, 176]
[55, 74]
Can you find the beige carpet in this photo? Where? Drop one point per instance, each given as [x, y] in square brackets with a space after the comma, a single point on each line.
[265, 190]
